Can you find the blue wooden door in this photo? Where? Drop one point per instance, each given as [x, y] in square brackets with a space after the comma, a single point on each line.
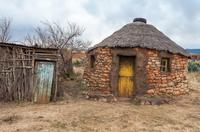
[43, 81]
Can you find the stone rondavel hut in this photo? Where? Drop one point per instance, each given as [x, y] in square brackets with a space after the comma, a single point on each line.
[137, 60]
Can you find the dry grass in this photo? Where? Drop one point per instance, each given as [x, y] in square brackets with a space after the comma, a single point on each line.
[92, 116]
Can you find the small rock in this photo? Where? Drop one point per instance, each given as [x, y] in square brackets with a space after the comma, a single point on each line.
[147, 102]
[103, 100]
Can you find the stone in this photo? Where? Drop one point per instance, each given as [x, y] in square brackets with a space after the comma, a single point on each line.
[176, 93]
[151, 91]
[163, 90]
[169, 83]
[102, 100]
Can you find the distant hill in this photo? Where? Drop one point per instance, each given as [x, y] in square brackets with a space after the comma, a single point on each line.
[193, 51]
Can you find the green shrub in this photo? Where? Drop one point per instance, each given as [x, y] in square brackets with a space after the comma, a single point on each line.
[77, 63]
[193, 66]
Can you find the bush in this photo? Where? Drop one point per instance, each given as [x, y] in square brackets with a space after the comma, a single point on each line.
[193, 66]
[77, 63]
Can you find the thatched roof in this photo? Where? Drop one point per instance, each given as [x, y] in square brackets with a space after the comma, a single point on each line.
[140, 34]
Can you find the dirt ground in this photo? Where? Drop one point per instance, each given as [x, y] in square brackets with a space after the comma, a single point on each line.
[76, 115]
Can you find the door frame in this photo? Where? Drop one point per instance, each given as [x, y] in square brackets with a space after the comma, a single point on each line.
[54, 81]
[116, 52]
[134, 59]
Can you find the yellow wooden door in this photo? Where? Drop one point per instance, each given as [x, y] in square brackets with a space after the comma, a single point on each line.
[126, 77]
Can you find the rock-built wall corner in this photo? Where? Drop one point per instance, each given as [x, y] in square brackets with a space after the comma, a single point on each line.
[173, 82]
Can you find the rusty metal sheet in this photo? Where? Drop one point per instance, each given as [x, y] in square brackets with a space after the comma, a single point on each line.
[43, 81]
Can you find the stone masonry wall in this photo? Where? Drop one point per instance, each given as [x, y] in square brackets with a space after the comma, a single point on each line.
[173, 82]
[170, 83]
[98, 78]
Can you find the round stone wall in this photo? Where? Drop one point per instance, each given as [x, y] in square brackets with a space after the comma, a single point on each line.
[174, 82]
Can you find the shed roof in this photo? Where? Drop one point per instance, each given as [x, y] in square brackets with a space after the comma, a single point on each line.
[24, 46]
[140, 34]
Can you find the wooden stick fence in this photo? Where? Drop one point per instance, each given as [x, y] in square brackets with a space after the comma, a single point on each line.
[16, 76]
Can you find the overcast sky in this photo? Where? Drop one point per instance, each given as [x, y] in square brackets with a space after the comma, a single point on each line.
[179, 19]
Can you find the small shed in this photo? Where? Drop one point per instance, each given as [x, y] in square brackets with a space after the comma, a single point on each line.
[194, 54]
[27, 73]
[138, 59]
